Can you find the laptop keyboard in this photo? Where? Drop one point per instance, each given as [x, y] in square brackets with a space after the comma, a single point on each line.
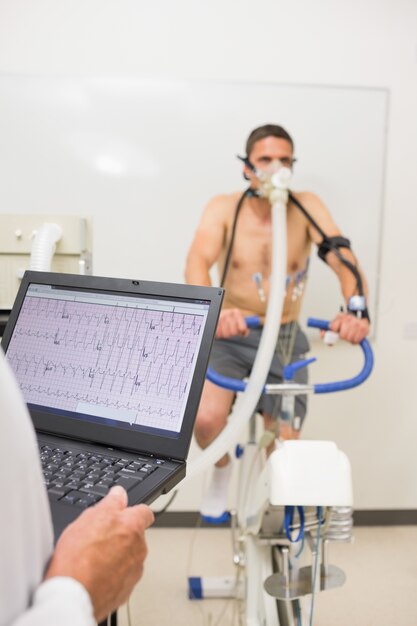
[82, 478]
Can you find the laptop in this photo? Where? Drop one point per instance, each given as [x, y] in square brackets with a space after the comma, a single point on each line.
[112, 372]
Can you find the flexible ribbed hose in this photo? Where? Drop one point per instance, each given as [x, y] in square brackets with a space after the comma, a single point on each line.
[245, 404]
[43, 247]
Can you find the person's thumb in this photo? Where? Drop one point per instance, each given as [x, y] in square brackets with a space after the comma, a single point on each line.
[141, 514]
[115, 499]
[335, 324]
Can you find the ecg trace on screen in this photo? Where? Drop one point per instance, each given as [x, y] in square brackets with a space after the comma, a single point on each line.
[121, 362]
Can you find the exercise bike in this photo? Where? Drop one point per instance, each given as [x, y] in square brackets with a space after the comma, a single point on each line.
[290, 507]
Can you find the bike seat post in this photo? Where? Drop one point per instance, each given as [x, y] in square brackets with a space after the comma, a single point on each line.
[252, 429]
[287, 412]
[325, 557]
[315, 548]
[285, 566]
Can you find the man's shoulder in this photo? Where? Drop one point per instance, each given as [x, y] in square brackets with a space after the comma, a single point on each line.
[307, 197]
[224, 203]
[226, 198]
[219, 211]
[310, 201]
[320, 214]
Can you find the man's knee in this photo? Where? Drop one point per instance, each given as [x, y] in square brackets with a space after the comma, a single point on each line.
[209, 422]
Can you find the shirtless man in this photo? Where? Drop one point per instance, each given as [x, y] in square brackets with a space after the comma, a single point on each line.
[235, 347]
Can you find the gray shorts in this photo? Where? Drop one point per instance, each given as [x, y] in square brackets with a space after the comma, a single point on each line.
[234, 358]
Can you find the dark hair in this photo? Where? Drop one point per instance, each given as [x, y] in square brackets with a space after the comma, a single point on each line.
[268, 130]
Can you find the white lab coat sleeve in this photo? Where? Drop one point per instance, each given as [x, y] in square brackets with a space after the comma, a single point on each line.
[59, 600]
[26, 538]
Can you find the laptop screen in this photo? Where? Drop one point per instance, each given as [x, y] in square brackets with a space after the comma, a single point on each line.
[107, 357]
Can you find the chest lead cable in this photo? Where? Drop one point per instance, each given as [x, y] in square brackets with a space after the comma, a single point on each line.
[246, 194]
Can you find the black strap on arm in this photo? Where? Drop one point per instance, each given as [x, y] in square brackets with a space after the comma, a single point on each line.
[334, 247]
[331, 244]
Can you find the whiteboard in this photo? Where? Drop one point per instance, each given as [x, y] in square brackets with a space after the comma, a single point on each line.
[143, 156]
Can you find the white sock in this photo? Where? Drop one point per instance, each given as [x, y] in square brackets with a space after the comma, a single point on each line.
[215, 499]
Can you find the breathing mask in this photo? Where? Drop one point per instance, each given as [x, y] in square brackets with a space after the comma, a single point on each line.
[273, 179]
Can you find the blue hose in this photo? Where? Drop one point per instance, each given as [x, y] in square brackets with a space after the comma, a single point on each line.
[288, 519]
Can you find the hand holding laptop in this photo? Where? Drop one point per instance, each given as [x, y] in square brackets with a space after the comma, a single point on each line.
[112, 372]
[104, 549]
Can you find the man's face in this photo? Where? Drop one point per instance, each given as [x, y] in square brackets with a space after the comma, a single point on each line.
[265, 152]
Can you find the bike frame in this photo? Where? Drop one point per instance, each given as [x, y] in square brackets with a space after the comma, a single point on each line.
[277, 591]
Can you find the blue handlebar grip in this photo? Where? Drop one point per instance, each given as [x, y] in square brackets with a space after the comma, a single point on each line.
[253, 321]
[314, 322]
[232, 384]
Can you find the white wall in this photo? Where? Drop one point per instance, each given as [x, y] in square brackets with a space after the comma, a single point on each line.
[368, 44]
[121, 147]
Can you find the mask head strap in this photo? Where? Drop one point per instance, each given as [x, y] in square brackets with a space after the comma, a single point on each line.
[248, 164]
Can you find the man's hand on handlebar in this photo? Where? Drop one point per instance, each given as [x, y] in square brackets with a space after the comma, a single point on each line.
[231, 322]
[350, 328]
[353, 332]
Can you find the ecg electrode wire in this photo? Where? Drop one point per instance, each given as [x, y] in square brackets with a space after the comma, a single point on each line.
[245, 194]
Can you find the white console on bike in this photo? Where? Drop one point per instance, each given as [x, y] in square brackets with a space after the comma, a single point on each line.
[309, 473]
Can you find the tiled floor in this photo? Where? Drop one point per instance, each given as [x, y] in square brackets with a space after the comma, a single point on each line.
[381, 587]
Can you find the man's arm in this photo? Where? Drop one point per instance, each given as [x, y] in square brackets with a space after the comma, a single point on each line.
[207, 243]
[204, 252]
[347, 325]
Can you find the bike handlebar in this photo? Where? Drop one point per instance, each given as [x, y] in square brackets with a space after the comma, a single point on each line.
[357, 380]
[253, 321]
[234, 384]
